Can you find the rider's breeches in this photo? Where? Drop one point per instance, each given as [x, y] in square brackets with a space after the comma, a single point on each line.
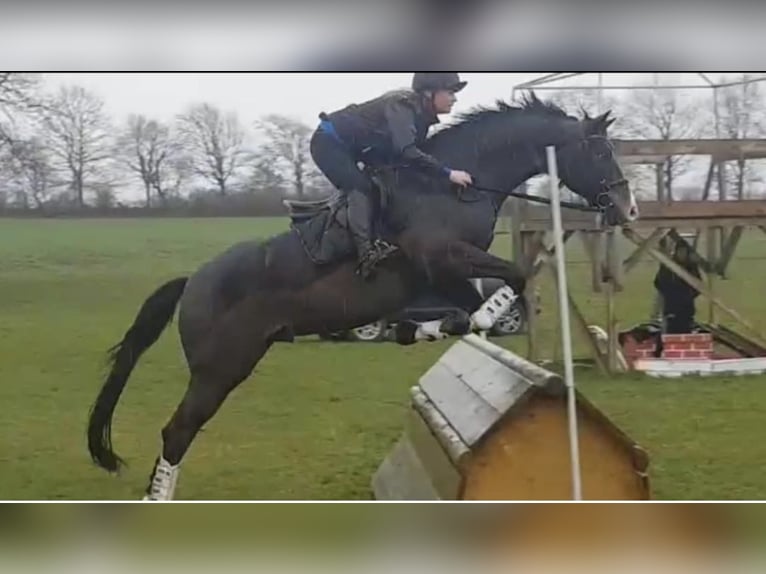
[337, 164]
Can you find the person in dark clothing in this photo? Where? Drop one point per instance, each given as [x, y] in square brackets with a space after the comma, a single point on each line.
[387, 130]
[678, 296]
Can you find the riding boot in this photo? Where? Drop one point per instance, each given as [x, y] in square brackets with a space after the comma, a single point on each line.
[369, 251]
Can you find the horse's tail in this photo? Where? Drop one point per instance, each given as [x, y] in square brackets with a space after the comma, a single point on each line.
[155, 314]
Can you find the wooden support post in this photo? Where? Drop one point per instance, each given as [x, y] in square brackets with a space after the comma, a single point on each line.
[613, 263]
[722, 195]
[529, 244]
[592, 241]
[712, 257]
[517, 247]
[697, 284]
[545, 253]
[709, 180]
[728, 250]
[651, 241]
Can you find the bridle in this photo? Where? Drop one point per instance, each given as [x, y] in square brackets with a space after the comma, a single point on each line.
[602, 201]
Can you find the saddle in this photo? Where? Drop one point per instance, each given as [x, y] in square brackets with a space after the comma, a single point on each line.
[301, 210]
[322, 224]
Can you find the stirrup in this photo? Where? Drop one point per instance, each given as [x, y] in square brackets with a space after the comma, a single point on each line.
[384, 248]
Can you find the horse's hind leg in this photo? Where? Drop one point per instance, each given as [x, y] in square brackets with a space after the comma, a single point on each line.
[230, 357]
[203, 398]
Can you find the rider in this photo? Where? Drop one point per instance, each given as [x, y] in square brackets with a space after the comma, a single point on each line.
[385, 130]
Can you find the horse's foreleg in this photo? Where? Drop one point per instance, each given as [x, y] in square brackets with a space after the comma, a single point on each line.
[462, 261]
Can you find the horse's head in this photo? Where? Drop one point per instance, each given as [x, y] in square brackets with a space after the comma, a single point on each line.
[588, 166]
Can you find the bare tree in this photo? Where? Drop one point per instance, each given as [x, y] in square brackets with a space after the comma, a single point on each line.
[742, 113]
[214, 143]
[664, 115]
[18, 94]
[286, 148]
[266, 177]
[147, 149]
[78, 137]
[28, 163]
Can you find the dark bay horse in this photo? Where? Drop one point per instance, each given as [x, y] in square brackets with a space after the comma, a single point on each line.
[257, 293]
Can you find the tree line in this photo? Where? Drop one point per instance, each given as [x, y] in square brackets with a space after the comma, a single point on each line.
[61, 151]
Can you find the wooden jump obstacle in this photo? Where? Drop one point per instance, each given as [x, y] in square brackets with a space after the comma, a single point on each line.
[486, 424]
[722, 223]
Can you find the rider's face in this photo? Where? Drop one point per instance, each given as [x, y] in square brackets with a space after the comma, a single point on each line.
[443, 101]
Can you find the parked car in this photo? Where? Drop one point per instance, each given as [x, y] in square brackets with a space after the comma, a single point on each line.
[432, 307]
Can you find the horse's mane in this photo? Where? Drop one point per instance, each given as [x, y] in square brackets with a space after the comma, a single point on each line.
[483, 127]
[529, 107]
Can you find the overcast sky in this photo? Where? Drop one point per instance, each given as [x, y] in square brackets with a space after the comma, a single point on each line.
[302, 95]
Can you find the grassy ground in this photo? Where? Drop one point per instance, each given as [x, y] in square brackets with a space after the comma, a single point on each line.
[316, 419]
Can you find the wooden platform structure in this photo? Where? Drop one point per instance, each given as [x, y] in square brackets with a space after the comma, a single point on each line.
[722, 223]
[485, 424]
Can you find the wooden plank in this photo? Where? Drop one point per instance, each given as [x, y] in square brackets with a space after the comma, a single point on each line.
[467, 413]
[451, 443]
[691, 210]
[401, 476]
[688, 211]
[651, 241]
[649, 224]
[445, 478]
[694, 282]
[531, 372]
[495, 383]
[640, 151]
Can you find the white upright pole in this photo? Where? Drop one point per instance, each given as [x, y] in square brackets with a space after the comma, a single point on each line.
[566, 338]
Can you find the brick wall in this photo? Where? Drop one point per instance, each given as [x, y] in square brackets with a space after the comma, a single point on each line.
[633, 350]
[698, 346]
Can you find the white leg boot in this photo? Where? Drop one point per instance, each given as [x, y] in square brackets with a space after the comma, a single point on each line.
[493, 308]
[164, 480]
[430, 331]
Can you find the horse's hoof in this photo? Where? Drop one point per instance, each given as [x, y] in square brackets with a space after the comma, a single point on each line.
[404, 333]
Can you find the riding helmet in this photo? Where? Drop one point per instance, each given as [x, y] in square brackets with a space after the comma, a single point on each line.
[434, 81]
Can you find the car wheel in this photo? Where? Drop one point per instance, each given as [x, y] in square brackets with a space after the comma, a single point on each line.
[370, 333]
[510, 323]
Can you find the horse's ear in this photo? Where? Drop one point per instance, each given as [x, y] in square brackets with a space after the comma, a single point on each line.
[602, 122]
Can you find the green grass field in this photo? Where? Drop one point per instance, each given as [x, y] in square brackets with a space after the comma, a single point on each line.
[316, 418]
